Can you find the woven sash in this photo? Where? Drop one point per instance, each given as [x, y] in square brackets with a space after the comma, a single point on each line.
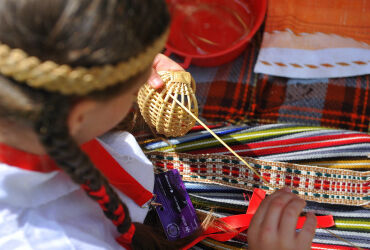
[335, 186]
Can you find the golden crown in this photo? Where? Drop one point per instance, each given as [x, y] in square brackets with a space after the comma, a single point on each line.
[48, 75]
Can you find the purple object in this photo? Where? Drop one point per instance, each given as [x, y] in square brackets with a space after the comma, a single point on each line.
[176, 212]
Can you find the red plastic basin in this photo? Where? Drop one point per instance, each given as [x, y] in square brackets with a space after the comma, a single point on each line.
[212, 32]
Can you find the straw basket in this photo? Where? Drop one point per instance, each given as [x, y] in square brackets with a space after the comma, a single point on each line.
[159, 109]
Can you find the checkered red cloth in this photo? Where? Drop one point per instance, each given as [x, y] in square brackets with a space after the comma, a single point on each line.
[233, 92]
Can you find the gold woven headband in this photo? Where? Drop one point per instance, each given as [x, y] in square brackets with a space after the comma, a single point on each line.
[15, 63]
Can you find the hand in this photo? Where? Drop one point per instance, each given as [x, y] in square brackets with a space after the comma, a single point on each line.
[161, 62]
[274, 224]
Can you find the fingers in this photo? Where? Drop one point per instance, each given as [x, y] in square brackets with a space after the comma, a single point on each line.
[280, 205]
[289, 217]
[261, 212]
[274, 224]
[155, 80]
[263, 228]
[307, 233]
[161, 63]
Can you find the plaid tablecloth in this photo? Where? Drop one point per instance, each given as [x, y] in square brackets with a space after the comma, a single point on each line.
[234, 93]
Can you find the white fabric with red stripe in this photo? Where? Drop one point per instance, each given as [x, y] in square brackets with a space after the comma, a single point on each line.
[48, 211]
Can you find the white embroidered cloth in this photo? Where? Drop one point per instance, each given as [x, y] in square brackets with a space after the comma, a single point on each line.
[316, 39]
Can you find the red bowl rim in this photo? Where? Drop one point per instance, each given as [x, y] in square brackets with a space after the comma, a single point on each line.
[246, 39]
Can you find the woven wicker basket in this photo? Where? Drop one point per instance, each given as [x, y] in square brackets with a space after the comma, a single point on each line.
[159, 109]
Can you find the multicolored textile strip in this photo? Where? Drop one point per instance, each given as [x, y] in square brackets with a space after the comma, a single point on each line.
[233, 92]
[314, 146]
[352, 223]
[334, 186]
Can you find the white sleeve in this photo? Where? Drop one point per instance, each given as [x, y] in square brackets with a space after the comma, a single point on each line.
[126, 151]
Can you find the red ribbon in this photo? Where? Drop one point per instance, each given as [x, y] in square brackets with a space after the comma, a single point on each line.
[25, 160]
[116, 175]
[239, 223]
[126, 238]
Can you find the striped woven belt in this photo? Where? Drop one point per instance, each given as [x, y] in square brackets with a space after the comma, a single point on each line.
[335, 186]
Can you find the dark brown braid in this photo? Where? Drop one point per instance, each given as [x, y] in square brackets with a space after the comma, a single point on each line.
[53, 133]
[79, 33]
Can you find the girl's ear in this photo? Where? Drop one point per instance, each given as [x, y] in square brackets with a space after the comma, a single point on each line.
[78, 115]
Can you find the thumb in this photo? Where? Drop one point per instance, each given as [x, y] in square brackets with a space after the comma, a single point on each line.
[155, 81]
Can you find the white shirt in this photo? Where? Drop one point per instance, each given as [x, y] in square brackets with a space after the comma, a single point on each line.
[49, 211]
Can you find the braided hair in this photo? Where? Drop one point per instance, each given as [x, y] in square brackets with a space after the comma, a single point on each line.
[79, 33]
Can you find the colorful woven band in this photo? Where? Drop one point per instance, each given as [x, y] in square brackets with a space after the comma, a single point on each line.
[48, 75]
[335, 186]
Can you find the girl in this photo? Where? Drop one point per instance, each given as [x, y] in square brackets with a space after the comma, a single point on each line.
[69, 71]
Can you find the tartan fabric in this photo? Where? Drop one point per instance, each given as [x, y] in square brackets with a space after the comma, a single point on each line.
[234, 93]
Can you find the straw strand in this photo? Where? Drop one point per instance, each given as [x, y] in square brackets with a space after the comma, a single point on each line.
[221, 141]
